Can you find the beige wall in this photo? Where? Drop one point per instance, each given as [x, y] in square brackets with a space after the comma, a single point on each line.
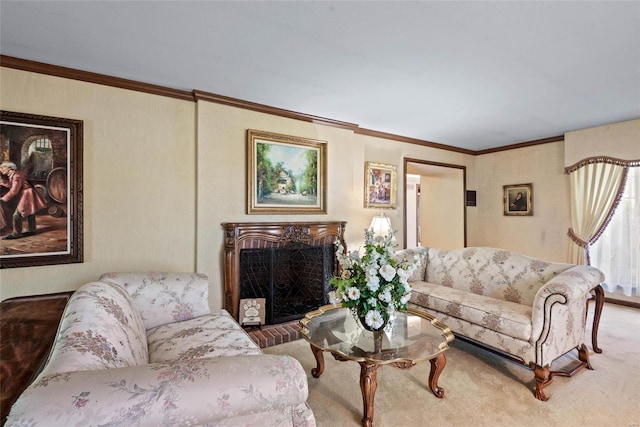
[543, 235]
[161, 175]
[221, 143]
[139, 179]
[618, 140]
[441, 209]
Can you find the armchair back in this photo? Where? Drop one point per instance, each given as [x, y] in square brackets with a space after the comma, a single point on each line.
[163, 298]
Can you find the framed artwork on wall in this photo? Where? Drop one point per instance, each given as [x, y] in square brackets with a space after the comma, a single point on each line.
[40, 190]
[518, 200]
[379, 186]
[285, 174]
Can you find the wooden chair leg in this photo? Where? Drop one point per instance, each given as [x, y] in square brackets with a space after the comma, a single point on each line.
[543, 379]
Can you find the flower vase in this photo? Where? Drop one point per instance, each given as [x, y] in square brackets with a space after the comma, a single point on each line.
[377, 341]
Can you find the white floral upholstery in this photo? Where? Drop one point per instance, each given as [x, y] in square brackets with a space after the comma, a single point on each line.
[99, 329]
[528, 308]
[107, 369]
[163, 298]
[206, 336]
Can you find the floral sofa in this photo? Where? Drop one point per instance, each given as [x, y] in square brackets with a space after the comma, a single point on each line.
[531, 311]
[144, 349]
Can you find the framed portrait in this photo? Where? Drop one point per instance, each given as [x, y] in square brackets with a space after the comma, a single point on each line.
[40, 190]
[379, 186]
[518, 200]
[285, 174]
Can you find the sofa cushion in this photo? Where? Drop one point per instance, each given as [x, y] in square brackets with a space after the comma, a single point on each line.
[496, 273]
[100, 329]
[506, 317]
[164, 298]
[212, 335]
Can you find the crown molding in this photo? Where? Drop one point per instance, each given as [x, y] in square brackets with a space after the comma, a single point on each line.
[198, 95]
[89, 77]
[521, 145]
[394, 137]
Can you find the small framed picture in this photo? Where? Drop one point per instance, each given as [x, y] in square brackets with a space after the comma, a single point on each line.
[252, 311]
[518, 200]
[379, 186]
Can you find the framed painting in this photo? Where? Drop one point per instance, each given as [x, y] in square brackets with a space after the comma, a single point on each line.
[40, 190]
[379, 186]
[518, 200]
[285, 174]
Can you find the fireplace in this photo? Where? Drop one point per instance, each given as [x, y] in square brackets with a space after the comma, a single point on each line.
[292, 279]
[258, 245]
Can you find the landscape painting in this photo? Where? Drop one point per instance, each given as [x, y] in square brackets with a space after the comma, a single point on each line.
[285, 174]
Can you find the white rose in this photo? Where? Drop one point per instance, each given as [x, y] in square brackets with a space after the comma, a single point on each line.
[388, 272]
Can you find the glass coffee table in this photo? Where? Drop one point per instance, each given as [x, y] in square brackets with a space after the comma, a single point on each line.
[410, 337]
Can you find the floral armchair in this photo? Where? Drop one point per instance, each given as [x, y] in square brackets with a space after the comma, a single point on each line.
[144, 349]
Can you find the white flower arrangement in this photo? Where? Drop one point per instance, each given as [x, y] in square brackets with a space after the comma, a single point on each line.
[373, 285]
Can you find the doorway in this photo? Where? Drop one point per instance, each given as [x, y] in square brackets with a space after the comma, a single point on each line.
[434, 204]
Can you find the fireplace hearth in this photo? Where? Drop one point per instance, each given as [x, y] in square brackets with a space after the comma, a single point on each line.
[288, 263]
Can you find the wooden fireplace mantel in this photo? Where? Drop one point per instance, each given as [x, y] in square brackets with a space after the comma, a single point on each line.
[262, 235]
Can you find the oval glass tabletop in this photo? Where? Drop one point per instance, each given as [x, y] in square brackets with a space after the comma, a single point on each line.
[410, 336]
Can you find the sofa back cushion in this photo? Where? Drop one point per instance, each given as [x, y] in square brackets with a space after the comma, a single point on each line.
[497, 273]
[100, 329]
[412, 254]
[163, 298]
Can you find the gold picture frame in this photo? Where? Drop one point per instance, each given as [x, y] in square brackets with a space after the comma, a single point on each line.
[380, 185]
[518, 200]
[285, 174]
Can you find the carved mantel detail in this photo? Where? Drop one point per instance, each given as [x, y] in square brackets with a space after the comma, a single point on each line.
[252, 235]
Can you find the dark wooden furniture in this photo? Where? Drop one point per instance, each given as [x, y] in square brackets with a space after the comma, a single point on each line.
[411, 337]
[262, 235]
[28, 327]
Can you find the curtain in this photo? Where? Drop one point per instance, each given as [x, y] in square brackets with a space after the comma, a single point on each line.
[596, 188]
[617, 251]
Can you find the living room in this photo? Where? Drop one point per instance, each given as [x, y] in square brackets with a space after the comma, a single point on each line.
[164, 167]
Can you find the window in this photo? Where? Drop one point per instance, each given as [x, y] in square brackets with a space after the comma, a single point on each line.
[617, 251]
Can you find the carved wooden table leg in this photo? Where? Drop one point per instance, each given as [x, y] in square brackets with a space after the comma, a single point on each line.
[319, 369]
[437, 365]
[368, 385]
[599, 296]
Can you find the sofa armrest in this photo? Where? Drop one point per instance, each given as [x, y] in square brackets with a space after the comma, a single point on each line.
[194, 392]
[570, 289]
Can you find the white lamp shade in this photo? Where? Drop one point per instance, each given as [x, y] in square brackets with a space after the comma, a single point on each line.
[380, 225]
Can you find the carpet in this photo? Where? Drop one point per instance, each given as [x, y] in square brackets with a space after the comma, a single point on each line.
[483, 389]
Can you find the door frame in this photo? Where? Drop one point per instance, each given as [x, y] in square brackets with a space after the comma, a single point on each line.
[408, 160]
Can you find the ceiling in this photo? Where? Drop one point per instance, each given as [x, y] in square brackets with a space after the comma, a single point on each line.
[474, 75]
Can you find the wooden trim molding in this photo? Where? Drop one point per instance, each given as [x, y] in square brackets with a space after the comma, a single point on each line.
[86, 76]
[261, 108]
[196, 95]
[520, 145]
[384, 135]
[262, 235]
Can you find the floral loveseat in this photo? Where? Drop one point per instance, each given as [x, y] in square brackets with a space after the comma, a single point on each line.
[144, 349]
[531, 311]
